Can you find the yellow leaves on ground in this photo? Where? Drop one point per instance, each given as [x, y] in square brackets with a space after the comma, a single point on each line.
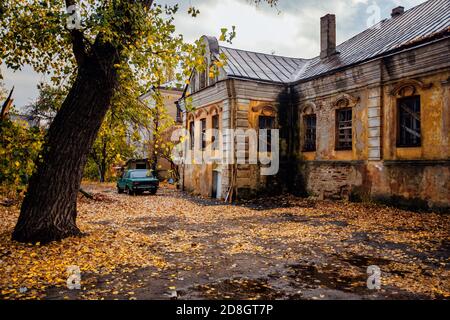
[102, 251]
[172, 233]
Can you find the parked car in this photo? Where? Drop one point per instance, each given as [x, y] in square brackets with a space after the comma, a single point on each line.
[137, 182]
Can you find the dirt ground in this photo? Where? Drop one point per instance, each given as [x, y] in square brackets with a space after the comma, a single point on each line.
[177, 246]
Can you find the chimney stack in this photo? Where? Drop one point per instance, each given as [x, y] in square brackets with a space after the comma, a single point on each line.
[397, 11]
[327, 36]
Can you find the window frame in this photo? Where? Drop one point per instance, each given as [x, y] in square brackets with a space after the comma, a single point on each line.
[305, 147]
[269, 134]
[216, 126]
[192, 134]
[401, 144]
[203, 137]
[338, 143]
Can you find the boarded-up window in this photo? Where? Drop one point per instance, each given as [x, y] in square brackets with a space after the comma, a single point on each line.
[266, 123]
[309, 143]
[215, 125]
[344, 129]
[203, 133]
[409, 122]
[192, 134]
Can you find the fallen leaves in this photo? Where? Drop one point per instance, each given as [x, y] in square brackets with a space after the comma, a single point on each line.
[170, 233]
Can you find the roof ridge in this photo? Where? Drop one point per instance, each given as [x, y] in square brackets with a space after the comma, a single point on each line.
[266, 54]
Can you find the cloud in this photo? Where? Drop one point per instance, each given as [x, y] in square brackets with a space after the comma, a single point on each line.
[291, 30]
[24, 82]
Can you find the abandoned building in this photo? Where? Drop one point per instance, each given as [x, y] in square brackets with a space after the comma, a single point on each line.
[171, 120]
[366, 119]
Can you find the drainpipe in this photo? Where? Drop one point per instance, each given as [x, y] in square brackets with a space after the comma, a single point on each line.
[231, 90]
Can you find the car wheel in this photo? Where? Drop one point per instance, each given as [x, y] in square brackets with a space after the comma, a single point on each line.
[129, 192]
[119, 191]
[153, 191]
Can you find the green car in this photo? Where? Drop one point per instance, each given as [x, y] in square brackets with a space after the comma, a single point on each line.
[137, 182]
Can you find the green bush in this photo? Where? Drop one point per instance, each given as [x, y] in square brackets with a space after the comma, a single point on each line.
[20, 147]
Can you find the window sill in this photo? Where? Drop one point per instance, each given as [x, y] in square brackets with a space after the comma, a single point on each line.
[343, 149]
[408, 147]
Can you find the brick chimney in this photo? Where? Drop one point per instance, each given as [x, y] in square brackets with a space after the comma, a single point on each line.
[327, 36]
[397, 11]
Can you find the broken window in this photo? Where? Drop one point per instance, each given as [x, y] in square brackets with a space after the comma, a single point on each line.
[310, 133]
[266, 123]
[344, 129]
[409, 122]
[215, 126]
[192, 134]
[203, 133]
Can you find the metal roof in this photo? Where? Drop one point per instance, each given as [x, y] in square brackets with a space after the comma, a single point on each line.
[260, 66]
[429, 19]
[421, 23]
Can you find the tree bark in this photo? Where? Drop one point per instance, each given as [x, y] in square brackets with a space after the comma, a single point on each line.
[49, 209]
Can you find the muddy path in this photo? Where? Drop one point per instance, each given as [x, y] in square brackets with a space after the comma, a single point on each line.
[280, 248]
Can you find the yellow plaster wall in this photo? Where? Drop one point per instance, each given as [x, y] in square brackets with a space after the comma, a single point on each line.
[434, 136]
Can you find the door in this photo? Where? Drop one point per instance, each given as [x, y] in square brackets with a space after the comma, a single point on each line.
[217, 185]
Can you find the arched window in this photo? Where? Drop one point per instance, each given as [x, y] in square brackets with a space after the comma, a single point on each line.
[344, 105]
[309, 127]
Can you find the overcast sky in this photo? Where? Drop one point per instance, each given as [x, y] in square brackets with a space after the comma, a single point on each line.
[293, 29]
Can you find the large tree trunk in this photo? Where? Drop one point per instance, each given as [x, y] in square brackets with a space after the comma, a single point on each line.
[49, 209]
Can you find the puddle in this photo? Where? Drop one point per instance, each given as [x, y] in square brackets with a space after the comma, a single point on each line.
[365, 261]
[311, 276]
[235, 289]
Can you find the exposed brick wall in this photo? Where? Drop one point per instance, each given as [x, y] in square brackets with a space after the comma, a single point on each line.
[332, 179]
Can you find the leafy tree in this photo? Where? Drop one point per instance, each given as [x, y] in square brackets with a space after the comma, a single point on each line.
[112, 144]
[49, 101]
[3, 92]
[20, 146]
[162, 126]
[118, 133]
[117, 42]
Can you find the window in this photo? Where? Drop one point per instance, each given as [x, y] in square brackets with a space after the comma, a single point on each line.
[344, 129]
[192, 82]
[310, 133]
[191, 134]
[215, 126]
[409, 122]
[204, 76]
[178, 117]
[203, 133]
[267, 123]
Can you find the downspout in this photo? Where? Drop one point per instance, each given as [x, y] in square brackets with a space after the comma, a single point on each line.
[231, 90]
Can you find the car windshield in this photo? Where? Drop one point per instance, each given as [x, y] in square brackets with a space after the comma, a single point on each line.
[140, 174]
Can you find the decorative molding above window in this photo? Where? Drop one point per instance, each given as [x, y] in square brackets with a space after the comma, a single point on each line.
[408, 88]
[215, 110]
[200, 112]
[265, 110]
[309, 108]
[345, 101]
